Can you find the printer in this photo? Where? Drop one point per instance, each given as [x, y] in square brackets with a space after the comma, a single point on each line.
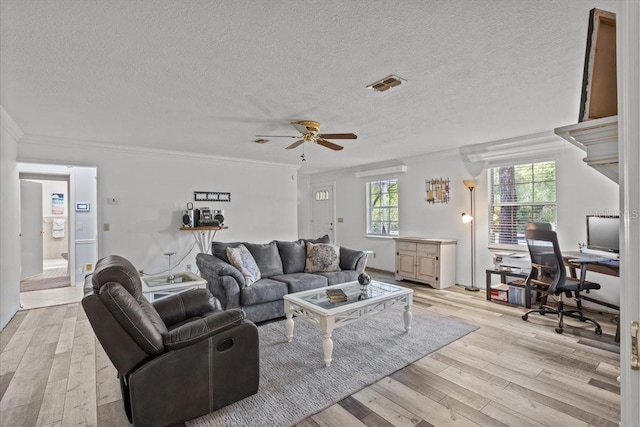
[512, 261]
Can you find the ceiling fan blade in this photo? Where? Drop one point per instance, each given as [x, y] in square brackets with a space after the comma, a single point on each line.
[301, 128]
[295, 144]
[276, 136]
[329, 144]
[338, 135]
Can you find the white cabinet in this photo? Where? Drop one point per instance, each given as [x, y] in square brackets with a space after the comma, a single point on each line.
[430, 261]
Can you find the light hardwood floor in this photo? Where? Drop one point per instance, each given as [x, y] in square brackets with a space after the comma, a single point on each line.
[53, 372]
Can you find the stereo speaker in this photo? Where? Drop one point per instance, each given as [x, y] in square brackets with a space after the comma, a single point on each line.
[190, 217]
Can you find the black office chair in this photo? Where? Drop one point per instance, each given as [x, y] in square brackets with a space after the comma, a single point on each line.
[549, 276]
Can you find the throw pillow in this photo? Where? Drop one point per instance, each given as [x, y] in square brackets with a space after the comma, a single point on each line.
[267, 257]
[322, 258]
[242, 259]
[293, 256]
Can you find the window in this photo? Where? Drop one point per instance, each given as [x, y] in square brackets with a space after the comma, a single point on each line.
[520, 194]
[382, 208]
[322, 195]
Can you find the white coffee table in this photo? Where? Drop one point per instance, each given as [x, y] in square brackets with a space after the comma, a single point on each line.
[315, 308]
[157, 287]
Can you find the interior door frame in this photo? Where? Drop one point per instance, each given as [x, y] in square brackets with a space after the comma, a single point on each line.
[333, 234]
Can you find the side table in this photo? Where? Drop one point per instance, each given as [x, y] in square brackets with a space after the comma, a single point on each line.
[503, 279]
[157, 287]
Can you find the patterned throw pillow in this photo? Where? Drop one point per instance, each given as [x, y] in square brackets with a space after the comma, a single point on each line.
[241, 258]
[322, 258]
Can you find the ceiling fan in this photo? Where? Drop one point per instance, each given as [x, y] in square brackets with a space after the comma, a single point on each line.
[309, 133]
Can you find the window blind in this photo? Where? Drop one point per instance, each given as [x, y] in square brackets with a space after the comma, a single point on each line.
[520, 194]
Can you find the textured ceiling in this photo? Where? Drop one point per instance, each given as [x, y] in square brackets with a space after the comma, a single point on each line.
[206, 76]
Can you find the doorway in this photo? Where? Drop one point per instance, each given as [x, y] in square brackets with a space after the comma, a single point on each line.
[54, 255]
[44, 232]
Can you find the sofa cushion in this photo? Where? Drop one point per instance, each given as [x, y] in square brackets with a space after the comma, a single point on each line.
[242, 259]
[322, 257]
[219, 249]
[335, 277]
[264, 290]
[293, 256]
[298, 282]
[267, 257]
[323, 239]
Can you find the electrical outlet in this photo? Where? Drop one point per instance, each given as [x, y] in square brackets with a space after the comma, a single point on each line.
[79, 226]
[88, 267]
[106, 227]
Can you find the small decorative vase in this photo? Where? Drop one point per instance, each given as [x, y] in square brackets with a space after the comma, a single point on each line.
[364, 279]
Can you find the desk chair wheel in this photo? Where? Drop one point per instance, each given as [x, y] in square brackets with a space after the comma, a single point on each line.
[598, 331]
[559, 330]
[525, 316]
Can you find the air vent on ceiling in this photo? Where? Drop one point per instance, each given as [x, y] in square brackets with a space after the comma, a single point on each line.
[386, 83]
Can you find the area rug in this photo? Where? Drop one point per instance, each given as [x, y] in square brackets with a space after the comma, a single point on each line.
[294, 383]
[29, 285]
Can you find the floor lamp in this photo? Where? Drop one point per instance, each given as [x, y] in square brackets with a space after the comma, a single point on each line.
[471, 184]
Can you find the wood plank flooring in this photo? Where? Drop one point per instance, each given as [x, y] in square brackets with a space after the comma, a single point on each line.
[509, 372]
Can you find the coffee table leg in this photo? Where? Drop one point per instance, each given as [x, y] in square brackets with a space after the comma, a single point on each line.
[288, 324]
[407, 314]
[327, 348]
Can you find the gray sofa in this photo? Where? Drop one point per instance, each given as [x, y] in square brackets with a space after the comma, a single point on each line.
[282, 265]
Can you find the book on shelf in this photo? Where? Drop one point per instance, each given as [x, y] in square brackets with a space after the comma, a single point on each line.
[336, 295]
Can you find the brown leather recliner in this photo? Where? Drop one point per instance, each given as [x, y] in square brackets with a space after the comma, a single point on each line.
[178, 358]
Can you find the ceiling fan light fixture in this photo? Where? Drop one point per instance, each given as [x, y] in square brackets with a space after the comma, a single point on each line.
[386, 83]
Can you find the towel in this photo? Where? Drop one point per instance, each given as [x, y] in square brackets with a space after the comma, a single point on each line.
[57, 230]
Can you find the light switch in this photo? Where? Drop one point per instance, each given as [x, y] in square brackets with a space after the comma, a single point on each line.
[340, 219]
[79, 226]
[106, 227]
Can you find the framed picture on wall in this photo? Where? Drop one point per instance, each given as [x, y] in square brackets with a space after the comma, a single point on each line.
[57, 204]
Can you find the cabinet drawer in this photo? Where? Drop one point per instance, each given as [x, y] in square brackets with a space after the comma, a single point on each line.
[406, 246]
[428, 248]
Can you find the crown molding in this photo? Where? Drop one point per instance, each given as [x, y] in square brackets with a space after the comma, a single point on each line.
[97, 146]
[7, 123]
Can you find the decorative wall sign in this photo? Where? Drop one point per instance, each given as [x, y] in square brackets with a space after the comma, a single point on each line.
[437, 190]
[211, 196]
[57, 203]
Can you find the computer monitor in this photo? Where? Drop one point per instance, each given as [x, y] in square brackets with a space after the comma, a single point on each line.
[603, 233]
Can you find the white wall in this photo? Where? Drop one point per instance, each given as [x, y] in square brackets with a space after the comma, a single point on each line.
[153, 188]
[9, 225]
[580, 191]
[305, 201]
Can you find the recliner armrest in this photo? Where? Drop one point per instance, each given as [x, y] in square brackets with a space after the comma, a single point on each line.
[180, 307]
[203, 328]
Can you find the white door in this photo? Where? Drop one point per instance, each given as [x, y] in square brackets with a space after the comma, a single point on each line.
[628, 58]
[30, 228]
[323, 212]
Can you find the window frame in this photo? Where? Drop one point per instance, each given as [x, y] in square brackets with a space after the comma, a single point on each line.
[521, 245]
[369, 209]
